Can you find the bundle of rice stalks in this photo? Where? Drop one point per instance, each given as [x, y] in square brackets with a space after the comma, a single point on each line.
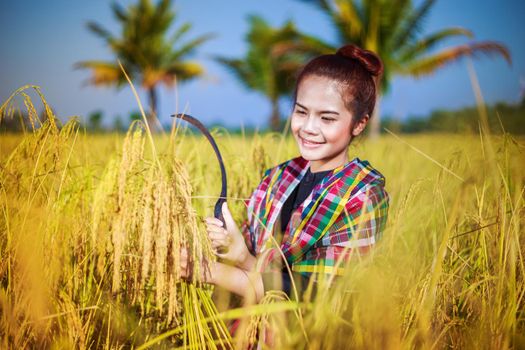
[142, 218]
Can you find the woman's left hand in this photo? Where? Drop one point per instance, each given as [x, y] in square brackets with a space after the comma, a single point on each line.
[229, 242]
[185, 269]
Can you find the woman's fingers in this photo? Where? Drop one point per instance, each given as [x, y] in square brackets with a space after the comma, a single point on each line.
[220, 239]
[184, 262]
[216, 234]
[215, 229]
[219, 246]
[221, 235]
[220, 243]
[213, 221]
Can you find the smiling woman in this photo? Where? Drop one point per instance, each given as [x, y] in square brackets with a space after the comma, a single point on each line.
[311, 214]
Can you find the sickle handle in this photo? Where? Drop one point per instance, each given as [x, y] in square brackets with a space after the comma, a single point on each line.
[217, 212]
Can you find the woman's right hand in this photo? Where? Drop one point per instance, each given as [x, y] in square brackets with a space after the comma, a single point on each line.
[228, 241]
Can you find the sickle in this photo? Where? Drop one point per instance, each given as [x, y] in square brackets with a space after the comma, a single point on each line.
[217, 212]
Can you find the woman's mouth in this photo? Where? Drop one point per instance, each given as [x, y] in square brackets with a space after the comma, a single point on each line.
[310, 143]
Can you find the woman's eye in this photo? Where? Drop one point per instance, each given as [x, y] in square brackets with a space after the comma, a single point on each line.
[328, 119]
[300, 112]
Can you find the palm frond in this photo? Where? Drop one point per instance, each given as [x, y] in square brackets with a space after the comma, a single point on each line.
[259, 31]
[162, 9]
[189, 47]
[430, 64]
[162, 16]
[100, 31]
[393, 16]
[179, 33]
[238, 69]
[372, 22]
[428, 43]
[412, 25]
[184, 70]
[306, 45]
[322, 4]
[348, 19]
[119, 12]
[104, 73]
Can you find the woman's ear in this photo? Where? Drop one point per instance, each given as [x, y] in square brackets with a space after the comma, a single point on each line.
[360, 125]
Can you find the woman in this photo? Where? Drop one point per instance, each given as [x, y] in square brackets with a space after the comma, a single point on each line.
[318, 209]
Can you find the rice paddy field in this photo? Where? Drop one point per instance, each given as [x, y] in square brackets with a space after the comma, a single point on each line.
[91, 228]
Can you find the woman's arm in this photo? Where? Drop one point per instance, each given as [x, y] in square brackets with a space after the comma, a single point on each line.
[235, 280]
[238, 281]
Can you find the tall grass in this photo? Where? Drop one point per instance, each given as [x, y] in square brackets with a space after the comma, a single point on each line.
[90, 256]
[90, 227]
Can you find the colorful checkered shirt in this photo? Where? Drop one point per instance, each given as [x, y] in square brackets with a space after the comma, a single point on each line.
[345, 214]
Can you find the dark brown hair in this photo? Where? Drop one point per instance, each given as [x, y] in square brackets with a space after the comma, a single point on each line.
[358, 71]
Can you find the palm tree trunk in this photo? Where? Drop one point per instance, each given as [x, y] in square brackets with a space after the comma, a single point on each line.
[375, 121]
[275, 118]
[153, 101]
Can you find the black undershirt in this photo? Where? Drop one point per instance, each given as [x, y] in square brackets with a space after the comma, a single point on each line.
[299, 194]
[297, 197]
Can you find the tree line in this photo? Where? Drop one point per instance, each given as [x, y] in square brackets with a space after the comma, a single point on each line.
[502, 118]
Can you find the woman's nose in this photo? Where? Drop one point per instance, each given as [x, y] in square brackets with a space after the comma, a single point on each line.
[310, 125]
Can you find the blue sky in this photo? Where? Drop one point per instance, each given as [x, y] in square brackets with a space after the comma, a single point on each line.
[42, 40]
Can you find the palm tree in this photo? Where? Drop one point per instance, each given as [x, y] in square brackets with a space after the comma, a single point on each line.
[262, 69]
[392, 29]
[146, 50]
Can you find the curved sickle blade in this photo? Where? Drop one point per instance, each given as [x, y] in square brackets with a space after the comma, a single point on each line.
[217, 212]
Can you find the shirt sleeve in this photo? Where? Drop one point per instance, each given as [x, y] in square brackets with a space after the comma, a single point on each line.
[362, 221]
[253, 207]
[248, 236]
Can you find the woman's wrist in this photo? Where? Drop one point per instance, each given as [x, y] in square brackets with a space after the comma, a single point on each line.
[213, 275]
[247, 261]
[236, 280]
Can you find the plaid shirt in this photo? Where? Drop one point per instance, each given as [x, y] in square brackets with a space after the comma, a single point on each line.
[345, 213]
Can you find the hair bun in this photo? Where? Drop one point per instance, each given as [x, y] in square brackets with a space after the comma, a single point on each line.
[368, 59]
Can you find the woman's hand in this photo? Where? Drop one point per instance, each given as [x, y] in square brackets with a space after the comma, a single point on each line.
[187, 269]
[185, 272]
[228, 242]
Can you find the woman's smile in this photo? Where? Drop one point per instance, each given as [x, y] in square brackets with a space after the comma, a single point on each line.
[310, 143]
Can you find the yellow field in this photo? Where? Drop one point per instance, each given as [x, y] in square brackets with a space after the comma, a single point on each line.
[90, 228]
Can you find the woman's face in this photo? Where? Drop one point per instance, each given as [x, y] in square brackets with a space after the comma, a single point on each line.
[321, 123]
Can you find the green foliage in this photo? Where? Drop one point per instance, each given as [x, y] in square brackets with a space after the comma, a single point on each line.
[118, 124]
[146, 49]
[393, 30]
[502, 118]
[266, 68]
[95, 121]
